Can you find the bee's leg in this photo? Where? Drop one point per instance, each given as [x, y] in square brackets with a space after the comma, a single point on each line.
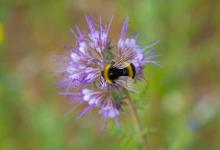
[113, 62]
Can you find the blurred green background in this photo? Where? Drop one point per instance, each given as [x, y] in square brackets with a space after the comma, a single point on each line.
[179, 104]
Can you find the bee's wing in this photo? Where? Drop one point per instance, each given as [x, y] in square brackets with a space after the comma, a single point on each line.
[121, 65]
[126, 82]
[125, 56]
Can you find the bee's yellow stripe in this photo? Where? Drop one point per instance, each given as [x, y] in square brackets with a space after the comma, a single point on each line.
[105, 74]
[130, 71]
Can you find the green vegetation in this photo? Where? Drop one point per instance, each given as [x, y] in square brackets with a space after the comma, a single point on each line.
[178, 104]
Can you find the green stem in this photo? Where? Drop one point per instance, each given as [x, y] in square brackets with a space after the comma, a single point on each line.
[137, 123]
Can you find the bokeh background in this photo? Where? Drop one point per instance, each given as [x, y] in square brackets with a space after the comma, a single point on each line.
[179, 104]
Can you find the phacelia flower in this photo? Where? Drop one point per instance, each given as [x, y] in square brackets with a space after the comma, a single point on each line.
[95, 72]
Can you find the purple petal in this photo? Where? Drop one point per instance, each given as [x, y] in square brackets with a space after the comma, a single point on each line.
[124, 29]
[109, 25]
[109, 112]
[91, 23]
[150, 45]
[79, 35]
[85, 111]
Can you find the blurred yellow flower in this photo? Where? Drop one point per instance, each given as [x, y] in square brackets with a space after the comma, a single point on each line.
[1, 33]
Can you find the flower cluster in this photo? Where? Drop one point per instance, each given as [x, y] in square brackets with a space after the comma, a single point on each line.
[82, 69]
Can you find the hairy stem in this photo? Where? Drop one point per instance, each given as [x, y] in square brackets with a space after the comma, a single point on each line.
[137, 123]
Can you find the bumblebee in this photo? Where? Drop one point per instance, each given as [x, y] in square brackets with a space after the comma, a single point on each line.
[112, 73]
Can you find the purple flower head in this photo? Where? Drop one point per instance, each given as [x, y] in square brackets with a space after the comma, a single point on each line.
[82, 71]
